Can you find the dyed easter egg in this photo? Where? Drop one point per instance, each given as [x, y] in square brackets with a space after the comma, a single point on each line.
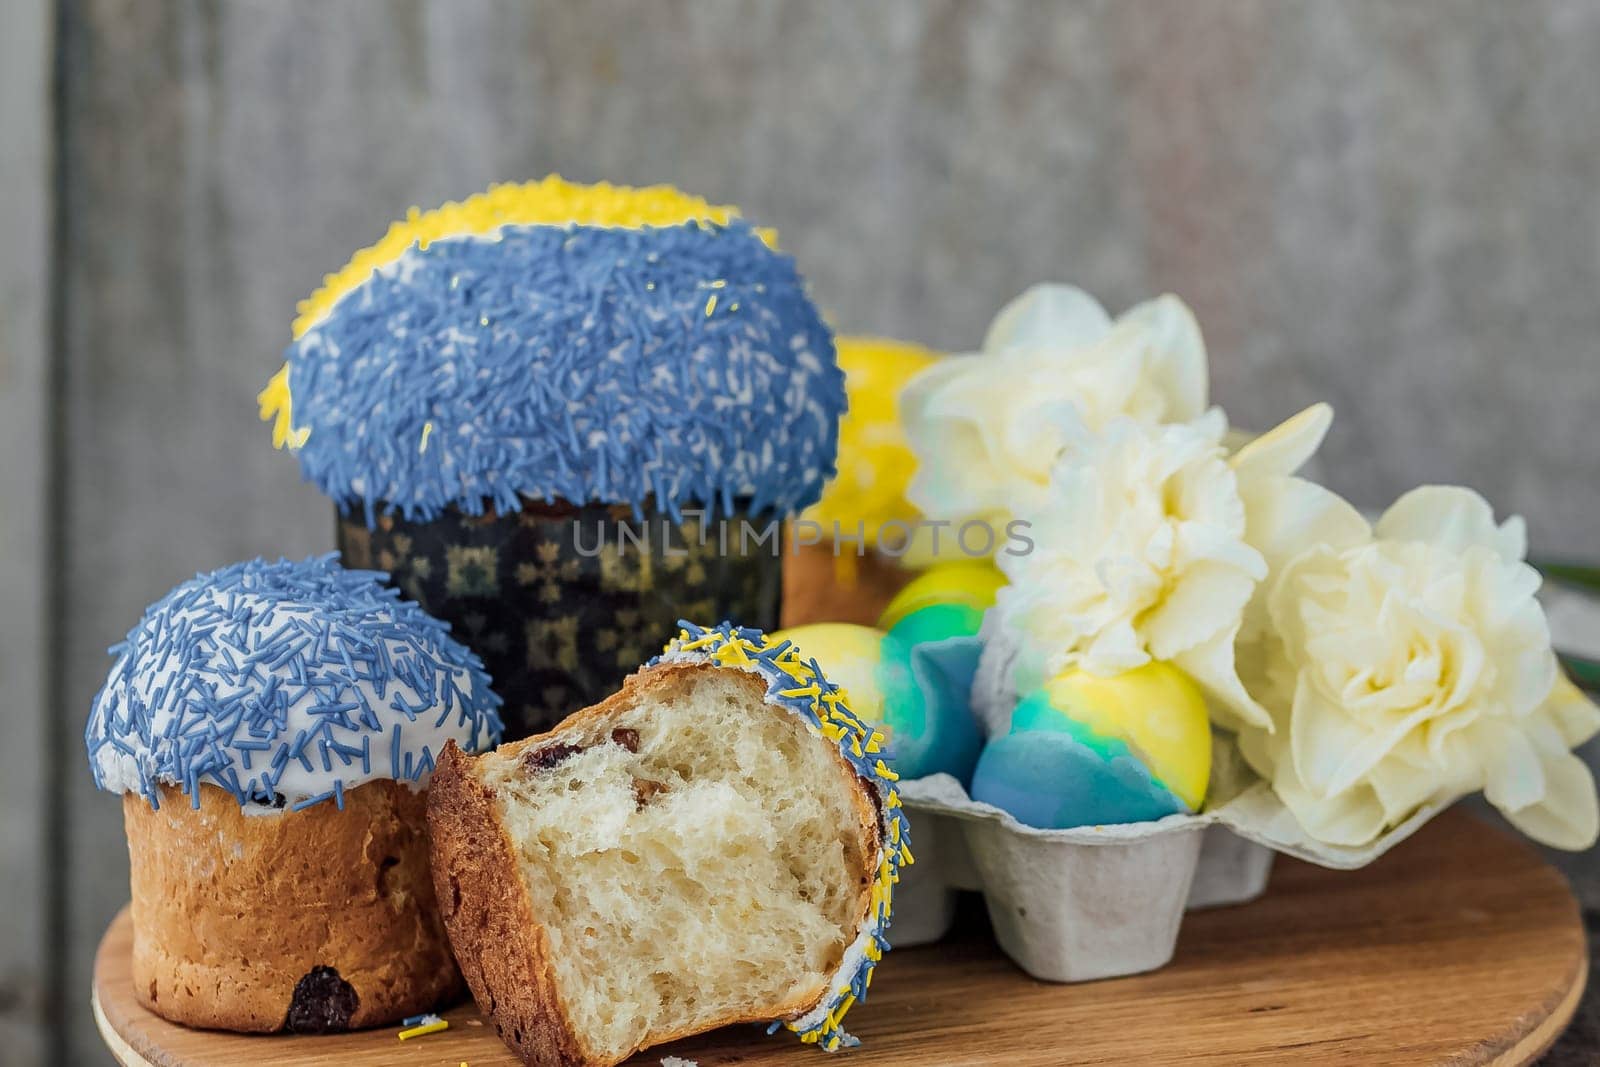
[961, 592]
[1085, 750]
[916, 693]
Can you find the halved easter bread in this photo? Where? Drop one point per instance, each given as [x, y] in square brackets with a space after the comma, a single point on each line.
[716, 843]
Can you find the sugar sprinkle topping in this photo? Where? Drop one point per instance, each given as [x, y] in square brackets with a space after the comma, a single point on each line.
[798, 685]
[550, 201]
[588, 363]
[286, 684]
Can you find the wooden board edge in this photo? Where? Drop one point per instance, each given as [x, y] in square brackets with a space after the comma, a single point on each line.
[1549, 1029]
[121, 1051]
[1536, 1043]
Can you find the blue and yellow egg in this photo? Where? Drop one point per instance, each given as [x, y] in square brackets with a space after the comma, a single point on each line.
[913, 676]
[1085, 750]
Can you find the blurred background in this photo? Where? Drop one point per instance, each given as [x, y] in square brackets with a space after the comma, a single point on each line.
[1392, 207]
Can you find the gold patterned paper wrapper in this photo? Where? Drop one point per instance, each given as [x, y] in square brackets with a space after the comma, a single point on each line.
[563, 602]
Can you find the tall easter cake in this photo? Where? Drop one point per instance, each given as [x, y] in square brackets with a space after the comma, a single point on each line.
[533, 407]
[272, 728]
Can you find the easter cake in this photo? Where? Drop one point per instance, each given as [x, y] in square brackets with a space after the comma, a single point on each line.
[562, 415]
[717, 842]
[273, 728]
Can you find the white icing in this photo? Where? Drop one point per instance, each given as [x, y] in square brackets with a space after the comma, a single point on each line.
[119, 771]
[855, 957]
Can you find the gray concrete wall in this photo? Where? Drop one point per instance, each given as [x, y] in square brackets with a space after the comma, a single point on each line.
[1389, 206]
[25, 719]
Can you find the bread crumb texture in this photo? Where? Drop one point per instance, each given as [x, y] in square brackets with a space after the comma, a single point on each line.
[688, 859]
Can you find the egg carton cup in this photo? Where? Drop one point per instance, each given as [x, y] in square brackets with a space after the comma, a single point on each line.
[1097, 901]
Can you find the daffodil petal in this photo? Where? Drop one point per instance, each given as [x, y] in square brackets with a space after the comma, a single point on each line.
[1211, 593]
[1568, 816]
[1211, 664]
[1285, 448]
[1352, 818]
[1514, 770]
[1176, 342]
[1574, 714]
[1452, 518]
[1061, 316]
[1284, 517]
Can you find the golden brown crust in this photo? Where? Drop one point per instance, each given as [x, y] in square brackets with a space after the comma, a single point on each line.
[502, 948]
[232, 911]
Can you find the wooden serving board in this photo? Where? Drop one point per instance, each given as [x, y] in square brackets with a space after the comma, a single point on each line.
[1460, 947]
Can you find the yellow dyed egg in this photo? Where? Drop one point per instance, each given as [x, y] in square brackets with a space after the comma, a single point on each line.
[1156, 710]
[970, 585]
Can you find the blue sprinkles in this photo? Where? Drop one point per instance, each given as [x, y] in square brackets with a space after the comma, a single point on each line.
[270, 680]
[680, 365]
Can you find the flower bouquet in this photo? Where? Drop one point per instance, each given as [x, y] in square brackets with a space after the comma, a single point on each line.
[1205, 654]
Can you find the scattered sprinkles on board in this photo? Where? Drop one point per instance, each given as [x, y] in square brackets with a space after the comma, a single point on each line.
[286, 684]
[553, 341]
[422, 1025]
[797, 685]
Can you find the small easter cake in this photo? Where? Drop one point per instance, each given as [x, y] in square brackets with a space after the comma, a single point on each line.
[913, 672]
[846, 563]
[561, 415]
[716, 843]
[1085, 751]
[273, 728]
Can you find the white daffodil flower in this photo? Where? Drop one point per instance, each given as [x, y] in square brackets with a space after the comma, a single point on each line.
[1141, 553]
[987, 427]
[1408, 663]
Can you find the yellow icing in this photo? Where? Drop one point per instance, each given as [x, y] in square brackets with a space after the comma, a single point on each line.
[552, 201]
[971, 583]
[277, 407]
[1157, 710]
[875, 459]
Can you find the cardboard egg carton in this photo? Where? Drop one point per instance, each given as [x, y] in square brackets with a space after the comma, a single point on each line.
[1095, 901]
